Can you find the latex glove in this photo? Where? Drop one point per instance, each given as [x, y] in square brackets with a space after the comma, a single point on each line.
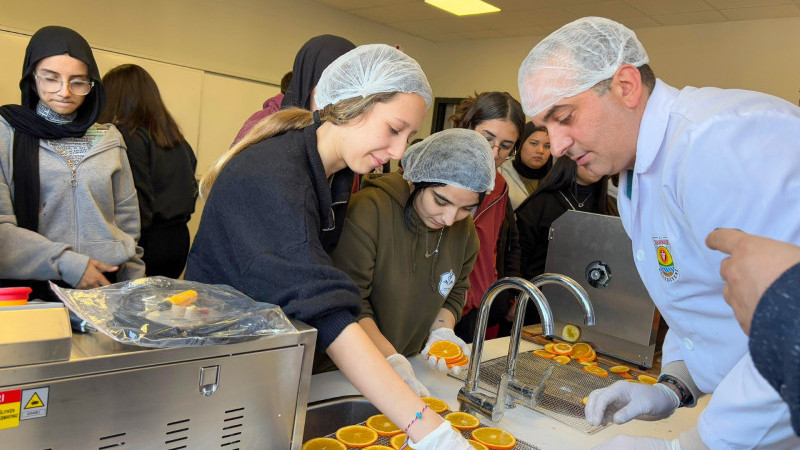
[624, 442]
[623, 401]
[444, 437]
[444, 334]
[403, 368]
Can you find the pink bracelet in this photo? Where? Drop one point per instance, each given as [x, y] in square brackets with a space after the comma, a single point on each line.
[417, 416]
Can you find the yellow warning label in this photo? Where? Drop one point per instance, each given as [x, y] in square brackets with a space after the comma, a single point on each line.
[9, 409]
[34, 402]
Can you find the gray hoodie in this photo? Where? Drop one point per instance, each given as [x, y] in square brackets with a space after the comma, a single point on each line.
[97, 218]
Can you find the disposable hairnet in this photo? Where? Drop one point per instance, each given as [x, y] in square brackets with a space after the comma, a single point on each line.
[573, 59]
[371, 69]
[456, 156]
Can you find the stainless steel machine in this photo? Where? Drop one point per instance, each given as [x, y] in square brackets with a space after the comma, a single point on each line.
[248, 395]
[594, 250]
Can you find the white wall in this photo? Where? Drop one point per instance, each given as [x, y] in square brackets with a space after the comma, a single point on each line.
[759, 55]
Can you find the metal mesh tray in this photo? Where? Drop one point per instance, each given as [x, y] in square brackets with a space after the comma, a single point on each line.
[563, 393]
[384, 440]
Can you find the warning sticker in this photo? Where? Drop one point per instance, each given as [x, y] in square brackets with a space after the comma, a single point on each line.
[34, 403]
[9, 408]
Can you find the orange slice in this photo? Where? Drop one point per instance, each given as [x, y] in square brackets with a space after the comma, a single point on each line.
[646, 379]
[581, 350]
[619, 369]
[632, 381]
[398, 440]
[562, 359]
[549, 347]
[625, 375]
[590, 357]
[377, 447]
[356, 436]
[562, 349]
[587, 363]
[462, 420]
[584, 400]
[438, 406]
[323, 444]
[459, 362]
[494, 438]
[570, 332]
[382, 425]
[477, 445]
[544, 354]
[600, 372]
[450, 351]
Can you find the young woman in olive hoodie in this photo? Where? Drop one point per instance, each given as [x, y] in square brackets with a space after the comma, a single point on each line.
[410, 244]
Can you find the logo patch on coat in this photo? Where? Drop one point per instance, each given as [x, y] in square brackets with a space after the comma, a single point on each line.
[446, 283]
[666, 265]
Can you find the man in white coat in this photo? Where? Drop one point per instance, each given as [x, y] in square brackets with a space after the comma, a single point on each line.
[690, 161]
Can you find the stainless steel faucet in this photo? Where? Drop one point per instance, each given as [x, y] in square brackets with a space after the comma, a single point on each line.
[517, 391]
[510, 391]
[470, 399]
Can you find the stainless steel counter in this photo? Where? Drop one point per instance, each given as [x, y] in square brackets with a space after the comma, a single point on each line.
[108, 395]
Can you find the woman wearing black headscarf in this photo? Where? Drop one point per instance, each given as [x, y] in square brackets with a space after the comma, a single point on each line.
[529, 166]
[68, 207]
[312, 58]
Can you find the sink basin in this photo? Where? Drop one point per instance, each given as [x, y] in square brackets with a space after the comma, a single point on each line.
[327, 416]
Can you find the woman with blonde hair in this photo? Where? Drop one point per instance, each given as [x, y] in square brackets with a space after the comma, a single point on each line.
[267, 227]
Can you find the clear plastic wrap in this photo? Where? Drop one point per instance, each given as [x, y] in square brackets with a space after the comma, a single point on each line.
[163, 312]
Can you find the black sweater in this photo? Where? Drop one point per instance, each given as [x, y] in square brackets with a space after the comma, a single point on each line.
[261, 232]
[774, 342]
[164, 179]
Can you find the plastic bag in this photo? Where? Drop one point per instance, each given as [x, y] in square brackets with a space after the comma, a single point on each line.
[163, 312]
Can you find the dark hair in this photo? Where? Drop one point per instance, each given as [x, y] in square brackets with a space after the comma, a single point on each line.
[133, 101]
[285, 81]
[562, 177]
[419, 187]
[473, 111]
[645, 71]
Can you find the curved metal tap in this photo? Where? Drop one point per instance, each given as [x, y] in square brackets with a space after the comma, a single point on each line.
[468, 396]
[529, 395]
[572, 286]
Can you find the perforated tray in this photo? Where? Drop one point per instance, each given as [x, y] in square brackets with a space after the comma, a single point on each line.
[563, 393]
[384, 440]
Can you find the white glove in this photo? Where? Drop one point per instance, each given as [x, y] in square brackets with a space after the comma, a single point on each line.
[623, 401]
[625, 442]
[403, 368]
[444, 437]
[444, 334]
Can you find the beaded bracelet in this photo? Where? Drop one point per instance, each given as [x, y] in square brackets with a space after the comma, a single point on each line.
[417, 416]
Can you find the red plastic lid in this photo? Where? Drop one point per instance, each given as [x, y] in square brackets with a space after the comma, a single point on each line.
[15, 293]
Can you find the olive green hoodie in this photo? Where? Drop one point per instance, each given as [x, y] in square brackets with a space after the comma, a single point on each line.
[402, 290]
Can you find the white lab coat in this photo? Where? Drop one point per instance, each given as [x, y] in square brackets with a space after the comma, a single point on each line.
[709, 158]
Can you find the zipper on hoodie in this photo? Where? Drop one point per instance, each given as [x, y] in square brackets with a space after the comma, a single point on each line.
[74, 182]
[505, 192]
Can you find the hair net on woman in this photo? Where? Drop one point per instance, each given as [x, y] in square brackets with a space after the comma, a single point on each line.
[371, 69]
[573, 59]
[456, 156]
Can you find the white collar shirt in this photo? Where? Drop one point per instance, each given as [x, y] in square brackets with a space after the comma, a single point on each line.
[709, 158]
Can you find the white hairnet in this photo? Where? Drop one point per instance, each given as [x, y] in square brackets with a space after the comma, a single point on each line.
[573, 59]
[371, 69]
[456, 156]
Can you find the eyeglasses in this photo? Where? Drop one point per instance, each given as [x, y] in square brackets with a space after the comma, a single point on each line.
[504, 149]
[52, 85]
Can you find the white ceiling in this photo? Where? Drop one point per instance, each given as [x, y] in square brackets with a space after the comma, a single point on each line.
[540, 17]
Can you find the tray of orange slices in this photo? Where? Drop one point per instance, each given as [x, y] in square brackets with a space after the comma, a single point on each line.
[576, 373]
[379, 433]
